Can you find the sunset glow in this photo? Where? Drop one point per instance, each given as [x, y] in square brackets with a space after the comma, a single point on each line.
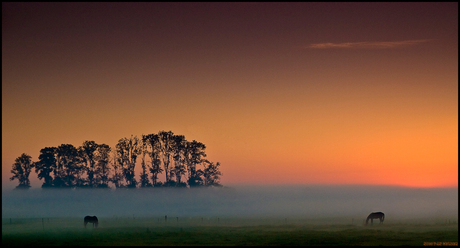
[280, 93]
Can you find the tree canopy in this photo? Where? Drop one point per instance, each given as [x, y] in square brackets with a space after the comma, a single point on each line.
[94, 165]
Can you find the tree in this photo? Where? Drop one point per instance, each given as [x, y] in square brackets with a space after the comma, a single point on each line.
[144, 174]
[117, 177]
[211, 174]
[87, 154]
[166, 148]
[45, 164]
[21, 169]
[153, 148]
[128, 150]
[170, 153]
[197, 179]
[178, 148]
[102, 169]
[196, 154]
[70, 163]
[58, 171]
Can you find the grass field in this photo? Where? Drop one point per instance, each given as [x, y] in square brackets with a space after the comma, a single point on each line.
[225, 231]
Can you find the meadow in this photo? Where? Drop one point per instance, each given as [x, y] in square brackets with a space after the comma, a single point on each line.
[196, 230]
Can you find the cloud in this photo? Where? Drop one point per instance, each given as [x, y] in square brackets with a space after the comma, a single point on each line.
[367, 45]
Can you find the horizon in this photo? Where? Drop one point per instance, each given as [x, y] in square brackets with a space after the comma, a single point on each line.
[241, 201]
[36, 185]
[280, 93]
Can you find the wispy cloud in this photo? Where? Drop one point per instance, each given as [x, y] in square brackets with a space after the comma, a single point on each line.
[367, 45]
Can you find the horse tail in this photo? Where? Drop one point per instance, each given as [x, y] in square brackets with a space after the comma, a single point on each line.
[383, 217]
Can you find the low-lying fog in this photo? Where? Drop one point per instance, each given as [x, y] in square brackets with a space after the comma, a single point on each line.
[238, 201]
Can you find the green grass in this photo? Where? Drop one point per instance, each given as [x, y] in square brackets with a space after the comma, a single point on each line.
[225, 231]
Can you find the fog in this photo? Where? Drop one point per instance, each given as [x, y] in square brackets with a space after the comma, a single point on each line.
[235, 201]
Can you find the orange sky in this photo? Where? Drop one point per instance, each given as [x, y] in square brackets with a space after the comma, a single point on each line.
[280, 93]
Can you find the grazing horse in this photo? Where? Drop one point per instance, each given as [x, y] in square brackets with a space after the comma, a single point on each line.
[375, 215]
[91, 219]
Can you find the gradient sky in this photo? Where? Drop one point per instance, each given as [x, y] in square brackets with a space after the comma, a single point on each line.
[280, 93]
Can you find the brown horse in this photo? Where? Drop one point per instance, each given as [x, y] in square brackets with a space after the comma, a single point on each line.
[375, 215]
[91, 219]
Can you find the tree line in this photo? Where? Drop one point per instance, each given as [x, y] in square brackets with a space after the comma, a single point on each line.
[93, 165]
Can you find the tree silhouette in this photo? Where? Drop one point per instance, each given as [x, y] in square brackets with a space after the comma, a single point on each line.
[58, 171]
[45, 164]
[102, 158]
[211, 174]
[167, 152]
[144, 174]
[21, 169]
[197, 179]
[87, 153]
[70, 164]
[128, 150]
[196, 152]
[166, 148]
[153, 148]
[117, 177]
[178, 148]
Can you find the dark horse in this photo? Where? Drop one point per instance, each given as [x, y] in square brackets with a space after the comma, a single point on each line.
[91, 219]
[375, 215]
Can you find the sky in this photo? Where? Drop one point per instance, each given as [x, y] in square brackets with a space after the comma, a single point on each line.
[280, 93]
